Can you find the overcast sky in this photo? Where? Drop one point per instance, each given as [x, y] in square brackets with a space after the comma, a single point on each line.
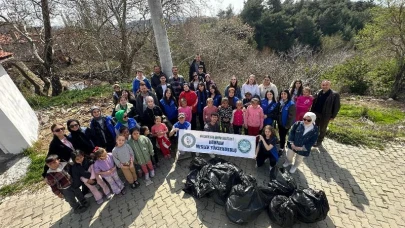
[222, 4]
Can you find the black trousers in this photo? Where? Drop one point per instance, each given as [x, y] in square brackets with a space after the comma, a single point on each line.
[70, 194]
[194, 121]
[237, 129]
[201, 121]
[226, 127]
[261, 158]
[283, 135]
[322, 123]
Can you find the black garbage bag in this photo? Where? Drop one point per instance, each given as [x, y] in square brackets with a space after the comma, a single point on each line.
[203, 185]
[244, 204]
[189, 186]
[282, 182]
[282, 211]
[197, 163]
[312, 205]
[267, 194]
[223, 177]
[216, 160]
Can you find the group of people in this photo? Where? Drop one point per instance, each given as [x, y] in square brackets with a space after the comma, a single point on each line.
[145, 123]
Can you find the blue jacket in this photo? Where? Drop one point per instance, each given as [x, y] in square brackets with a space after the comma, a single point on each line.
[297, 136]
[202, 100]
[273, 151]
[269, 110]
[287, 117]
[170, 110]
[131, 124]
[135, 84]
[185, 126]
[238, 92]
[217, 100]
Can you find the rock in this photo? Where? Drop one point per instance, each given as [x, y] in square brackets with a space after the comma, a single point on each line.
[390, 99]
[44, 119]
[352, 98]
[63, 111]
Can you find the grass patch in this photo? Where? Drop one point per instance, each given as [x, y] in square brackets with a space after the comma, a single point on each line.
[33, 178]
[69, 97]
[370, 127]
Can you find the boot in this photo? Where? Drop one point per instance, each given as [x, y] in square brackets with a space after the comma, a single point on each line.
[152, 173]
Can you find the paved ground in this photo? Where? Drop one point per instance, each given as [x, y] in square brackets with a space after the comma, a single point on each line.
[365, 188]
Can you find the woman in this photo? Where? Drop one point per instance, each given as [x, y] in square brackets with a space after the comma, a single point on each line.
[266, 149]
[269, 106]
[124, 120]
[168, 105]
[202, 96]
[79, 137]
[266, 86]
[286, 116]
[130, 97]
[251, 86]
[122, 105]
[59, 145]
[208, 81]
[195, 82]
[214, 93]
[303, 136]
[231, 97]
[296, 90]
[233, 84]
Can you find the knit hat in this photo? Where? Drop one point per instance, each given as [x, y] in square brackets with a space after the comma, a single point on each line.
[69, 122]
[120, 116]
[311, 115]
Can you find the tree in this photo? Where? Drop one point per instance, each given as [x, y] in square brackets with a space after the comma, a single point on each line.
[275, 31]
[385, 37]
[226, 14]
[306, 31]
[252, 12]
[162, 41]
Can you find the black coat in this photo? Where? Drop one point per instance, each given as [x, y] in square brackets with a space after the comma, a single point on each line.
[95, 132]
[81, 170]
[139, 104]
[159, 91]
[81, 140]
[155, 79]
[194, 69]
[57, 147]
[149, 116]
[330, 107]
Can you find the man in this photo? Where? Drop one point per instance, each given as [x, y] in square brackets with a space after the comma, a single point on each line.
[101, 131]
[141, 103]
[326, 106]
[195, 65]
[161, 88]
[176, 81]
[155, 78]
[182, 124]
[139, 77]
[267, 86]
[212, 126]
[201, 74]
[192, 101]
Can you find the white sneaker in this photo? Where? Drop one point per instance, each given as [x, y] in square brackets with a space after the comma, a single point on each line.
[152, 173]
[147, 177]
[293, 169]
[286, 164]
[88, 195]
[212, 155]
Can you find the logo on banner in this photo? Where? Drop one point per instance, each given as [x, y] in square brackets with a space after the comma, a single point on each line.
[188, 140]
[244, 146]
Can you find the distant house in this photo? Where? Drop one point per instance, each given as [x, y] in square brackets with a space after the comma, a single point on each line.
[19, 124]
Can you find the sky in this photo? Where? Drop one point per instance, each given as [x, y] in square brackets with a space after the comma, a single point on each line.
[223, 4]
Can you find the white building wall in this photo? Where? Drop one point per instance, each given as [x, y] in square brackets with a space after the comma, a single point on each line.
[18, 122]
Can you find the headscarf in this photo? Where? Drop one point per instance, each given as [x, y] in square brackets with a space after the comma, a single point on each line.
[120, 116]
[311, 115]
[68, 124]
[95, 108]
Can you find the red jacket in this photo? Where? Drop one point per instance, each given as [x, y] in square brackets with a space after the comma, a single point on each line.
[192, 99]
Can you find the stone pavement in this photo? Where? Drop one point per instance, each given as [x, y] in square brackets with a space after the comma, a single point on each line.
[365, 188]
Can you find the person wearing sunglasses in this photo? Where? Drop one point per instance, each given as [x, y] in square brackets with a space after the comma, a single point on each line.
[59, 145]
[124, 120]
[80, 137]
[303, 135]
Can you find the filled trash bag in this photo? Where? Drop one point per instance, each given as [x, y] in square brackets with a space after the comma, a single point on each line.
[223, 177]
[282, 182]
[203, 185]
[216, 160]
[282, 211]
[267, 194]
[312, 205]
[189, 186]
[197, 163]
[244, 204]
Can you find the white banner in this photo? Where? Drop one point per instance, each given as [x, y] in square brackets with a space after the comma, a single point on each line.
[217, 143]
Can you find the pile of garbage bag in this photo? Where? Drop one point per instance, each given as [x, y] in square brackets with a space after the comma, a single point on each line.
[244, 200]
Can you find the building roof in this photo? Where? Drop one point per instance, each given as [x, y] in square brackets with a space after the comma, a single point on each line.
[5, 55]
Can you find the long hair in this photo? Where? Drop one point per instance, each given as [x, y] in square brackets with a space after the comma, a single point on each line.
[299, 93]
[216, 90]
[171, 96]
[288, 95]
[272, 130]
[236, 83]
[270, 91]
[254, 77]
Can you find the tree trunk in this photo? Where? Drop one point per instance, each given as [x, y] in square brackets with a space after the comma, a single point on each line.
[48, 52]
[162, 41]
[399, 77]
[29, 75]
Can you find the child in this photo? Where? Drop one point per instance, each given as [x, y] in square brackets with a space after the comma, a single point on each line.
[60, 181]
[150, 112]
[160, 130]
[82, 171]
[143, 149]
[303, 103]
[124, 158]
[117, 93]
[125, 132]
[237, 118]
[155, 158]
[231, 98]
[182, 124]
[254, 118]
[266, 149]
[208, 110]
[248, 98]
[225, 115]
[104, 166]
[185, 109]
[123, 105]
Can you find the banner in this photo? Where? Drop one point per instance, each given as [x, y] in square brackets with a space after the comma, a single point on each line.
[217, 143]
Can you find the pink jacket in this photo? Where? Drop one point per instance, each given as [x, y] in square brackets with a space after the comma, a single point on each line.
[254, 117]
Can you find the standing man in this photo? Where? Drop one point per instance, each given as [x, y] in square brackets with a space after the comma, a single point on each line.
[195, 65]
[177, 82]
[161, 88]
[155, 78]
[139, 77]
[141, 103]
[326, 106]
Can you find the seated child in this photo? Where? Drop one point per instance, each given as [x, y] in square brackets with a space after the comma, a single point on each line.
[60, 181]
